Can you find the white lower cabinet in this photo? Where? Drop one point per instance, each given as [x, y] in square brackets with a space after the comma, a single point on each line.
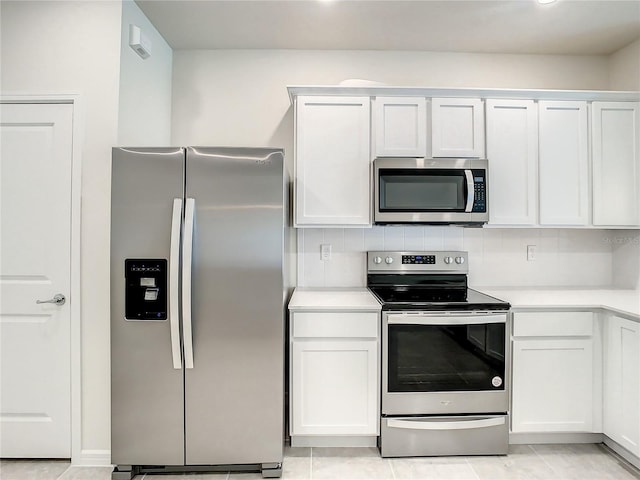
[334, 374]
[622, 383]
[555, 373]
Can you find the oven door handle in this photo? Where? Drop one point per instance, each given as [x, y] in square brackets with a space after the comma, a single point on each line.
[445, 320]
[454, 425]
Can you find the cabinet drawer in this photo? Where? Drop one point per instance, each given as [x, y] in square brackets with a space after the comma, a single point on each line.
[552, 324]
[335, 324]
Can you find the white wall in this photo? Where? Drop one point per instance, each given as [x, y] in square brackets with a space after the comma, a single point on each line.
[74, 47]
[144, 113]
[624, 66]
[497, 257]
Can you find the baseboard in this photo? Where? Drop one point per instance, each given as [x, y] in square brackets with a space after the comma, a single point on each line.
[623, 452]
[542, 438]
[92, 458]
[333, 441]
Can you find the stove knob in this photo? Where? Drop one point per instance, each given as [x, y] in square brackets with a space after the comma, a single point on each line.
[377, 260]
[459, 260]
[389, 260]
[448, 260]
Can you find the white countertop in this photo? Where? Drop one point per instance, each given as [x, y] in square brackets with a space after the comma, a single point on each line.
[626, 302]
[333, 299]
[622, 301]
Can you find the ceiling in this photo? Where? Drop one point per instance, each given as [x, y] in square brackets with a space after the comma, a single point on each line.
[583, 27]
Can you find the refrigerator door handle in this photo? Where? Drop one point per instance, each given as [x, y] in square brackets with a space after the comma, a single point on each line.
[187, 256]
[174, 278]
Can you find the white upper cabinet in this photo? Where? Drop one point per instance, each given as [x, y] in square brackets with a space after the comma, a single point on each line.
[332, 165]
[457, 127]
[556, 158]
[563, 163]
[400, 126]
[616, 163]
[512, 150]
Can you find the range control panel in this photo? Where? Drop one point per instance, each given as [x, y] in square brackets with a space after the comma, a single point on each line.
[418, 259]
[445, 261]
[145, 289]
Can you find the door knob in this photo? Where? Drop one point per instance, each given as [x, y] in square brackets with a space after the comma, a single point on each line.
[58, 299]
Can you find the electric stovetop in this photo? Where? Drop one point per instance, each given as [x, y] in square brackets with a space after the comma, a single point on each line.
[429, 281]
[451, 299]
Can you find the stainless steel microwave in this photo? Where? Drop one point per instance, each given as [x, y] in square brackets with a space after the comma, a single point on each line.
[430, 191]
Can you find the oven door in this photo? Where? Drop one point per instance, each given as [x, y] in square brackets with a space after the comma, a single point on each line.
[444, 362]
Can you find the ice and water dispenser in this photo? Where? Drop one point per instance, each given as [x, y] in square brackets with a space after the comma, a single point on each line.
[146, 289]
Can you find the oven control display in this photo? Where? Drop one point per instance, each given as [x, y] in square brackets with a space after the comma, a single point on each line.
[419, 259]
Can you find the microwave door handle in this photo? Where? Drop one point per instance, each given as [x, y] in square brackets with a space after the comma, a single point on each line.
[470, 190]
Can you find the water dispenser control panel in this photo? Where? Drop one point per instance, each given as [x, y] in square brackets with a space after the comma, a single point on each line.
[145, 289]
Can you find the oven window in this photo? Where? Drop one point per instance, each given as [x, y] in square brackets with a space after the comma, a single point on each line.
[439, 358]
[408, 190]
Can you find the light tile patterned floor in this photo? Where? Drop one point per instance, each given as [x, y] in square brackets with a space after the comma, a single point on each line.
[524, 462]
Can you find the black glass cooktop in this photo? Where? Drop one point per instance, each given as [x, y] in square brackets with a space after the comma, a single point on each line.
[430, 293]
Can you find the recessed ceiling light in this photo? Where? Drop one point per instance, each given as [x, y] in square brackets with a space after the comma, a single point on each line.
[544, 2]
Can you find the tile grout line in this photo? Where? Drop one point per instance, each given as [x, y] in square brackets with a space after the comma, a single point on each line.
[393, 472]
[310, 463]
[542, 458]
[472, 469]
[60, 476]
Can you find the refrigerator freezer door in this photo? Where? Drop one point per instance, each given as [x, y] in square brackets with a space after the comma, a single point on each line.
[234, 393]
[147, 424]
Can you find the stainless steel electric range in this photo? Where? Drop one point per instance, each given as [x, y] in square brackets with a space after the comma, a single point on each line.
[445, 357]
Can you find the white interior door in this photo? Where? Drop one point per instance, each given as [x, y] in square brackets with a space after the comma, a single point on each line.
[35, 253]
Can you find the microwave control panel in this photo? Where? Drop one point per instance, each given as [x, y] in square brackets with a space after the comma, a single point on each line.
[480, 191]
[145, 289]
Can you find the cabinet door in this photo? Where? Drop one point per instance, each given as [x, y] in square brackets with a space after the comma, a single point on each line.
[334, 387]
[332, 167]
[552, 385]
[512, 150]
[457, 127]
[400, 126]
[616, 163]
[622, 383]
[563, 163]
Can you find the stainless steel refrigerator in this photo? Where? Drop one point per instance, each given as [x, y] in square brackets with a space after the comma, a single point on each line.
[197, 310]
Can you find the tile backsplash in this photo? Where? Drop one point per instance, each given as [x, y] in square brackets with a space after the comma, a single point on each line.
[626, 258]
[497, 257]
